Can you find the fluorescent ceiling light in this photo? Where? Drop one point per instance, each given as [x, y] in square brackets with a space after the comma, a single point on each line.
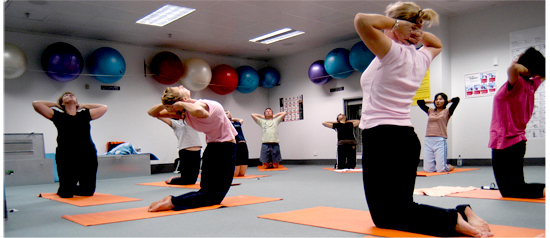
[268, 35]
[282, 37]
[165, 15]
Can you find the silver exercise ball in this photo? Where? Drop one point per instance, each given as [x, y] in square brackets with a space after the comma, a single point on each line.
[15, 61]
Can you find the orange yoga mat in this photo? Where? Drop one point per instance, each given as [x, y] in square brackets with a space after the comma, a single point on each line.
[281, 168]
[345, 171]
[493, 194]
[361, 222]
[251, 176]
[99, 218]
[164, 184]
[456, 170]
[83, 201]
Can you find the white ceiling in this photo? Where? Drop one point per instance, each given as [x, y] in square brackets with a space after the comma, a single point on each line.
[219, 27]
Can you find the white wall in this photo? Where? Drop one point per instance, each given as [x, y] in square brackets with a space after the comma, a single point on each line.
[127, 118]
[477, 38]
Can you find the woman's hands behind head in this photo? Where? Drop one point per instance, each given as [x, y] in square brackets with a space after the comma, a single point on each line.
[407, 33]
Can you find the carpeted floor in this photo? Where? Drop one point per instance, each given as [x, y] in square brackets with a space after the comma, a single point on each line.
[302, 186]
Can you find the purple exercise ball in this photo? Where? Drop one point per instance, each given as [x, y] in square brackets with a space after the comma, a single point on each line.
[317, 73]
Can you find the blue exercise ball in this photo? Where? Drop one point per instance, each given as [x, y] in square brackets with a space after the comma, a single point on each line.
[317, 73]
[269, 77]
[62, 62]
[337, 63]
[106, 65]
[360, 56]
[248, 79]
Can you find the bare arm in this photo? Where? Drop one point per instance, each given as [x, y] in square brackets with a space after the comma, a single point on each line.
[329, 124]
[166, 120]
[196, 109]
[355, 122]
[44, 108]
[280, 114]
[159, 111]
[432, 43]
[96, 110]
[239, 120]
[370, 26]
[256, 116]
[515, 71]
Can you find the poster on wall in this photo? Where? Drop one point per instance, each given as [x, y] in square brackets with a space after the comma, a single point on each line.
[519, 42]
[480, 84]
[424, 91]
[522, 40]
[294, 106]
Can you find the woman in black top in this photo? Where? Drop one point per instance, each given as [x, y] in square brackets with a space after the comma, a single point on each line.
[75, 155]
[347, 153]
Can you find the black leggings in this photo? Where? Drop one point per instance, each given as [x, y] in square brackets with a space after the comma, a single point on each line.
[508, 170]
[189, 167]
[390, 160]
[218, 168]
[77, 172]
[347, 157]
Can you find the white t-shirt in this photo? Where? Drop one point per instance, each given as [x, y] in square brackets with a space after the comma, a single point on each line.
[187, 136]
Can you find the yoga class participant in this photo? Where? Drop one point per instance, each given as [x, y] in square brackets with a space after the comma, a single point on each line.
[347, 152]
[513, 106]
[435, 143]
[389, 141]
[189, 147]
[75, 155]
[218, 159]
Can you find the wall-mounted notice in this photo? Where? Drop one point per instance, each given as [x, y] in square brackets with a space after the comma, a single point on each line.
[480, 84]
[519, 42]
[294, 106]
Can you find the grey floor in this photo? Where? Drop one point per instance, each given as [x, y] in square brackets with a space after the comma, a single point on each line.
[302, 186]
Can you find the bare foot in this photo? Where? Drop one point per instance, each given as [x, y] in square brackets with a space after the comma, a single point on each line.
[465, 228]
[275, 165]
[477, 222]
[168, 181]
[451, 168]
[162, 205]
[266, 165]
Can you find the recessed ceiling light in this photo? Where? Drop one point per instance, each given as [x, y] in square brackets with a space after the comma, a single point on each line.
[165, 15]
[275, 36]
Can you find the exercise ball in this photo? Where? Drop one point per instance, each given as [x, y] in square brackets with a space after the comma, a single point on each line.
[196, 74]
[224, 79]
[337, 63]
[317, 73]
[62, 62]
[15, 61]
[248, 79]
[106, 65]
[269, 77]
[166, 67]
[360, 56]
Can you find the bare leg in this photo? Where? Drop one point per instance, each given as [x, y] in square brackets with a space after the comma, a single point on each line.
[162, 205]
[477, 222]
[465, 228]
[237, 171]
[243, 170]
